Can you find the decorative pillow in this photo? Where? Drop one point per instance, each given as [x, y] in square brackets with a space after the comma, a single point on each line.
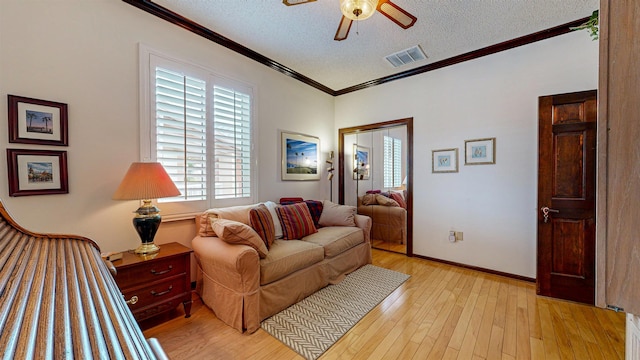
[369, 199]
[315, 208]
[290, 200]
[262, 222]
[234, 232]
[276, 220]
[296, 221]
[399, 199]
[337, 215]
[373, 191]
[383, 200]
[235, 213]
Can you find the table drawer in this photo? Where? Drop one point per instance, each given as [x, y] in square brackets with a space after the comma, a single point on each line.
[157, 293]
[153, 271]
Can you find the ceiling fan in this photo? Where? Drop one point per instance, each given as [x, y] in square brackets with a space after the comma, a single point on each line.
[363, 9]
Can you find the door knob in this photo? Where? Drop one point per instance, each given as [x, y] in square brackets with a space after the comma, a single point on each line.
[545, 212]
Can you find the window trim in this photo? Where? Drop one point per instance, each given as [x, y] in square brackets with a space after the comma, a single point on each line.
[148, 57]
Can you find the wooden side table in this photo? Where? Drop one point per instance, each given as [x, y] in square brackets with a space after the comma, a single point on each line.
[156, 283]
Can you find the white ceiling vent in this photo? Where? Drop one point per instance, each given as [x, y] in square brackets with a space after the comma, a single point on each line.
[406, 56]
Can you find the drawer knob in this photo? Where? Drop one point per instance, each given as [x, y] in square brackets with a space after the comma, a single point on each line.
[133, 300]
[154, 272]
[162, 292]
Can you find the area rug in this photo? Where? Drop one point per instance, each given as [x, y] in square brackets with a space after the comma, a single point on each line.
[312, 325]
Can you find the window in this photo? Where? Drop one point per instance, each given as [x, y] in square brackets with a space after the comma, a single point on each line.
[200, 129]
[392, 162]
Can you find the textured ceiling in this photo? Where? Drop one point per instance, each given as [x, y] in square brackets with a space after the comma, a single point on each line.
[301, 37]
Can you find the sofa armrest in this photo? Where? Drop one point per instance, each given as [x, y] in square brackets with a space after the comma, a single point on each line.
[364, 222]
[234, 266]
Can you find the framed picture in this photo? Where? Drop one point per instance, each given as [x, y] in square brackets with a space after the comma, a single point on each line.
[33, 121]
[444, 161]
[480, 151]
[361, 162]
[300, 157]
[37, 172]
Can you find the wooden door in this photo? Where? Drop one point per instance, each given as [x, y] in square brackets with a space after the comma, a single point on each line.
[566, 186]
[619, 159]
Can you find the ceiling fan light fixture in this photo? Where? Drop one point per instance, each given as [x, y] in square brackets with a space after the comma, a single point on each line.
[358, 9]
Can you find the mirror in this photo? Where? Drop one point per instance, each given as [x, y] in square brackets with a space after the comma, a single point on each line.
[375, 172]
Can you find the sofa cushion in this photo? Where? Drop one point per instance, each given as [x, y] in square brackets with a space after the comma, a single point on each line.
[274, 215]
[315, 209]
[296, 221]
[369, 199]
[235, 213]
[385, 201]
[262, 222]
[399, 199]
[336, 239]
[234, 232]
[288, 256]
[337, 215]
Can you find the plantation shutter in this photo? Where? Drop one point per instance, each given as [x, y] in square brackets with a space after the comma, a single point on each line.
[232, 143]
[397, 162]
[181, 131]
[392, 164]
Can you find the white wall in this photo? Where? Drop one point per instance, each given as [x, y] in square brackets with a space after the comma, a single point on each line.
[85, 54]
[494, 96]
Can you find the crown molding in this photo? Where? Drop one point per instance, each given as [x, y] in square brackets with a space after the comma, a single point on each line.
[187, 24]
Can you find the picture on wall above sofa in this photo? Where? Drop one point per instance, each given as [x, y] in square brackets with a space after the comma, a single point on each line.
[300, 156]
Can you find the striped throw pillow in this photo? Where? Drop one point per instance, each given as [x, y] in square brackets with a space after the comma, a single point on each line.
[262, 222]
[296, 221]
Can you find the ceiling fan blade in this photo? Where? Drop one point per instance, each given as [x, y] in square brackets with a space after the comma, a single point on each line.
[343, 29]
[396, 14]
[296, 2]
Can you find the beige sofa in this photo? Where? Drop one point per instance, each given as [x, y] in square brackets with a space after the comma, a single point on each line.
[242, 289]
[389, 222]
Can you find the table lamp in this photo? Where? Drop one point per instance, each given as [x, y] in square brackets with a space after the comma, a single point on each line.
[145, 181]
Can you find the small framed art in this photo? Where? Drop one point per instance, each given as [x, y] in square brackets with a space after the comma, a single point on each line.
[480, 151]
[300, 156]
[33, 121]
[37, 172]
[444, 161]
[361, 162]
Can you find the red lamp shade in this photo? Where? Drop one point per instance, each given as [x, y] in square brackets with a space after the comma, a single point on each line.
[145, 181]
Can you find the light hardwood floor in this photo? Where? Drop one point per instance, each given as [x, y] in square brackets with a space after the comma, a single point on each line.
[441, 312]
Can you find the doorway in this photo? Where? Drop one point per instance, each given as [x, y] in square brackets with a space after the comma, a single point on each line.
[566, 196]
[375, 168]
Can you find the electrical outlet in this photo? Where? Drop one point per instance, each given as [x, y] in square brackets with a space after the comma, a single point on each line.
[458, 236]
[452, 236]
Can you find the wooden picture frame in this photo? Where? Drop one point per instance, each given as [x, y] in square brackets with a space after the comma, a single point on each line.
[300, 156]
[41, 122]
[480, 151]
[444, 161]
[37, 172]
[361, 162]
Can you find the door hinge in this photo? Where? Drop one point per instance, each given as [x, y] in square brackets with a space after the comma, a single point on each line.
[615, 308]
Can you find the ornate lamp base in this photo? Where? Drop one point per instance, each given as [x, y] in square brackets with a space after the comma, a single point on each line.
[149, 248]
[146, 222]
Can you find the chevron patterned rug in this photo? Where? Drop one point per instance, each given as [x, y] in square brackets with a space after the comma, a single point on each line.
[312, 325]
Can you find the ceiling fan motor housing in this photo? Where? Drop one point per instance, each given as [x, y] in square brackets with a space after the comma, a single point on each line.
[358, 9]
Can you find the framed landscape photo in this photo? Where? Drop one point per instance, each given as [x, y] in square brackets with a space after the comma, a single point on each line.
[33, 121]
[300, 156]
[37, 172]
[361, 162]
[444, 161]
[480, 151]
